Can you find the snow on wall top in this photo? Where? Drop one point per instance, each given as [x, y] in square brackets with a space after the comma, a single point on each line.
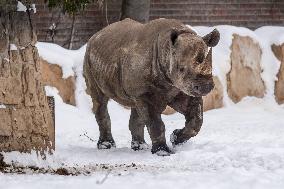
[66, 59]
[271, 34]
[71, 61]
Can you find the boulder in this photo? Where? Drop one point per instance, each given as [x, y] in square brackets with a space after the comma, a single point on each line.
[214, 99]
[244, 78]
[51, 75]
[278, 51]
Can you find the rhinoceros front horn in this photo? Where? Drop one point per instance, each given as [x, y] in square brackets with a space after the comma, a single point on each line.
[212, 38]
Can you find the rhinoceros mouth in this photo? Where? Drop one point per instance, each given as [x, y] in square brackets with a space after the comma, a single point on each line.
[202, 90]
[199, 90]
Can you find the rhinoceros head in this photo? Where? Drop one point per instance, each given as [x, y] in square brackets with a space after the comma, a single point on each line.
[190, 67]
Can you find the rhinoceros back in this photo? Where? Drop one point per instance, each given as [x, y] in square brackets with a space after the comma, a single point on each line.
[105, 54]
[110, 50]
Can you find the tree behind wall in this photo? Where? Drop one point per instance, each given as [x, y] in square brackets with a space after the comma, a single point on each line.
[25, 118]
[135, 9]
[73, 8]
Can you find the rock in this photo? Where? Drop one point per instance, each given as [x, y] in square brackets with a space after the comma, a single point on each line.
[51, 75]
[244, 78]
[279, 84]
[10, 92]
[214, 99]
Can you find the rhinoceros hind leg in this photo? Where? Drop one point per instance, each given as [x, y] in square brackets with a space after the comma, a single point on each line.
[136, 127]
[105, 140]
[100, 102]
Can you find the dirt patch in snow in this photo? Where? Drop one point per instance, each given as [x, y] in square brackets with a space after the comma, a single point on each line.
[115, 169]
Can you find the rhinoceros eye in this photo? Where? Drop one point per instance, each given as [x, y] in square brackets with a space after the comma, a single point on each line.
[200, 58]
[181, 69]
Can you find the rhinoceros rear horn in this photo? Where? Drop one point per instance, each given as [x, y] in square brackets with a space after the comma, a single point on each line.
[212, 38]
[207, 65]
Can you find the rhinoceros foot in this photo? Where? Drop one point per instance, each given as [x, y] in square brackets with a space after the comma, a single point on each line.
[137, 145]
[176, 138]
[161, 150]
[106, 144]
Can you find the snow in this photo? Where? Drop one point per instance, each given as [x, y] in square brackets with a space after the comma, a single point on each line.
[21, 7]
[13, 47]
[33, 8]
[52, 26]
[2, 106]
[239, 146]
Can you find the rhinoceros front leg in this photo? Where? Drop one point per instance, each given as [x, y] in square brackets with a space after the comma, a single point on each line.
[156, 128]
[136, 127]
[192, 109]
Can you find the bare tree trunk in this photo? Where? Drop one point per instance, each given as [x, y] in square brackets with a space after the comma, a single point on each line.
[135, 9]
[25, 118]
[72, 32]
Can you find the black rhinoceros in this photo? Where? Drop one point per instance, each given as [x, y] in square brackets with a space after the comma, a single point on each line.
[147, 67]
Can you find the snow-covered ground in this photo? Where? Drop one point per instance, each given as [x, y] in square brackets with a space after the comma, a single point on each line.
[239, 146]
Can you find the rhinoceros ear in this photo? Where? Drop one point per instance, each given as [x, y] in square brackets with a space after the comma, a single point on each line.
[175, 32]
[212, 38]
[174, 36]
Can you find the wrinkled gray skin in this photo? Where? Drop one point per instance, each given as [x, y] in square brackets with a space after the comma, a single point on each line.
[147, 67]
